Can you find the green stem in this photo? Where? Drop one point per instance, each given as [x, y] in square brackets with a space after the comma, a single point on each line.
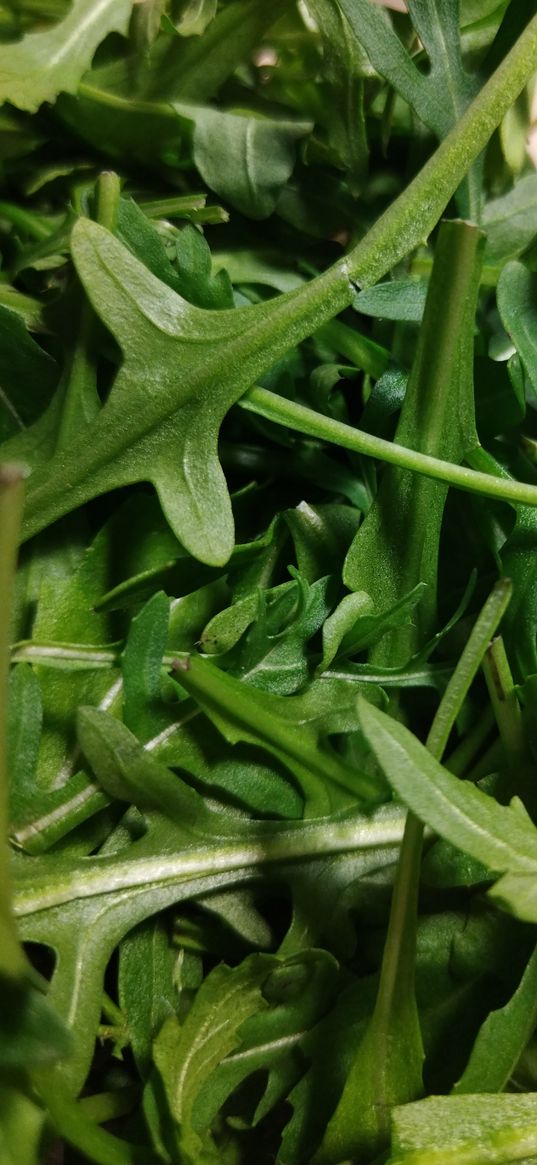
[107, 1106]
[78, 1130]
[173, 207]
[364, 353]
[12, 961]
[469, 663]
[25, 221]
[398, 963]
[107, 194]
[463, 755]
[112, 1012]
[81, 402]
[504, 701]
[305, 420]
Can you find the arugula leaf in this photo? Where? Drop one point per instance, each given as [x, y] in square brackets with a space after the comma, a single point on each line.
[180, 348]
[46, 63]
[511, 221]
[502, 837]
[439, 96]
[246, 160]
[467, 1128]
[186, 1056]
[225, 952]
[27, 375]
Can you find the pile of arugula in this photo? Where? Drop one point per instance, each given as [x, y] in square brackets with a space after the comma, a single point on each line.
[268, 578]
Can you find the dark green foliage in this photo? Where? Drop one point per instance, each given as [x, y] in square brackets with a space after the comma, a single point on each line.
[264, 557]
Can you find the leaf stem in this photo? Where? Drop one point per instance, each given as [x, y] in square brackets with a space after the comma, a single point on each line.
[396, 987]
[12, 961]
[107, 193]
[81, 402]
[305, 420]
[502, 692]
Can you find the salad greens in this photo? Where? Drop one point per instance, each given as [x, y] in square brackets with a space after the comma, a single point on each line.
[268, 575]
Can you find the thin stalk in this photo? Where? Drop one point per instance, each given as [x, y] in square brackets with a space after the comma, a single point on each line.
[81, 402]
[364, 353]
[173, 207]
[463, 755]
[12, 960]
[107, 194]
[305, 420]
[490, 762]
[398, 962]
[72, 1123]
[502, 692]
[107, 1106]
[24, 220]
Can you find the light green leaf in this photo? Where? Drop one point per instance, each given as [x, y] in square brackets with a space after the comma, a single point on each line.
[46, 63]
[174, 360]
[355, 626]
[186, 1056]
[338, 625]
[465, 1130]
[292, 728]
[195, 17]
[502, 837]
[401, 299]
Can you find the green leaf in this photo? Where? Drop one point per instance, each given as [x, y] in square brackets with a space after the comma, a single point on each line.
[476, 1130]
[322, 535]
[516, 299]
[52, 61]
[147, 991]
[439, 96]
[402, 299]
[273, 653]
[355, 626]
[502, 1038]
[187, 1056]
[343, 110]
[290, 727]
[180, 350]
[298, 991]
[245, 159]
[32, 1035]
[193, 69]
[143, 709]
[27, 375]
[502, 837]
